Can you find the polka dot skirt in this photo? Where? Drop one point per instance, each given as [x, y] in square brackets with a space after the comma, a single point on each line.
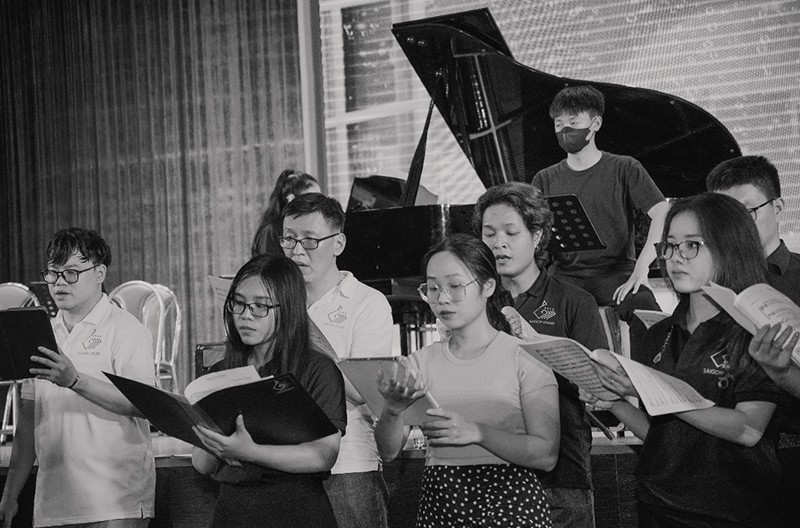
[482, 496]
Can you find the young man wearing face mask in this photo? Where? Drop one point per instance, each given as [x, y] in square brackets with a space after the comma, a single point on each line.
[610, 187]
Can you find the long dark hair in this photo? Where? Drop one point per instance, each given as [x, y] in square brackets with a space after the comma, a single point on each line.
[290, 182]
[478, 258]
[730, 235]
[284, 281]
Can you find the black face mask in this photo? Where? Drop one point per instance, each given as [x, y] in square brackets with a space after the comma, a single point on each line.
[572, 140]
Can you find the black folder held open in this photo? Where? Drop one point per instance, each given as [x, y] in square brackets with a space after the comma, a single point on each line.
[276, 410]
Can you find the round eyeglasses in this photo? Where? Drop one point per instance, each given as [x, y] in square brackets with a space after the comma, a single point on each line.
[688, 249]
[71, 276]
[455, 292]
[288, 242]
[256, 309]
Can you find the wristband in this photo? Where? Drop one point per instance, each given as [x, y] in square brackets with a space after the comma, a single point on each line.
[77, 377]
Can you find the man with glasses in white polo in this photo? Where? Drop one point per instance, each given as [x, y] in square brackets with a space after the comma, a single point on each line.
[357, 321]
[95, 461]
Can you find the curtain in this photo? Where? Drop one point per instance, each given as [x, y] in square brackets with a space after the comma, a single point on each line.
[162, 125]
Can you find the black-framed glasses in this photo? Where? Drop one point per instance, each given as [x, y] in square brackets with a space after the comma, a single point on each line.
[455, 292]
[688, 249]
[256, 309]
[71, 276]
[754, 210]
[288, 242]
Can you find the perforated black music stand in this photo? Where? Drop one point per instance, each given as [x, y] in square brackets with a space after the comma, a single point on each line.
[572, 228]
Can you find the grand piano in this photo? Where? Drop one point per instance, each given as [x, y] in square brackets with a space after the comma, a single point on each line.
[497, 109]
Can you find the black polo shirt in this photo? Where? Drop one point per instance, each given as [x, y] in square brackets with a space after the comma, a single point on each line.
[689, 472]
[559, 309]
[784, 272]
[784, 275]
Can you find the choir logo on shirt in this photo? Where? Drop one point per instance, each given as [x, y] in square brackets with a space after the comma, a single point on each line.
[338, 316]
[543, 314]
[90, 343]
[721, 363]
[281, 386]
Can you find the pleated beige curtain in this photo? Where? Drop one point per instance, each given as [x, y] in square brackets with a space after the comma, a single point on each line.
[161, 124]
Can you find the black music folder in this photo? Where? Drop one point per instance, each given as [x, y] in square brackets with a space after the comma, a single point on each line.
[276, 410]
[572, 228]
[22, 331]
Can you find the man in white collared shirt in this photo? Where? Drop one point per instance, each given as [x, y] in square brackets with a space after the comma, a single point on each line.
[357, 321]
[96, 466]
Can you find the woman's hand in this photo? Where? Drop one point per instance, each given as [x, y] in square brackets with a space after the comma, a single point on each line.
[400, 388]
[772, 349]
[594, 401]
[450, 430]
[234, 447]
[617, 381]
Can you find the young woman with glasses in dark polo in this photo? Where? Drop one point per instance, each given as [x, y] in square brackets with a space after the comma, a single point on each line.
[711, 467]
[267, 326]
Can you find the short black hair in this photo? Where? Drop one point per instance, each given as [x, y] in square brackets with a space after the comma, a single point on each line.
[753, 170]
[86, 242]
[310, 203]
[573, 100]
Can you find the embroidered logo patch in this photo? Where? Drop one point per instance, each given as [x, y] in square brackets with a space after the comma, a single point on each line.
[544, 312]
[280, 386]
[92, 342]
[338, 316]
[720, 359]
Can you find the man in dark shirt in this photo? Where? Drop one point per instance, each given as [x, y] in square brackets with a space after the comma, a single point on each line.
[514, 221]
[754, 181]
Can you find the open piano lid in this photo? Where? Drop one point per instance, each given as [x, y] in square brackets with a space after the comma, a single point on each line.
[498, 109]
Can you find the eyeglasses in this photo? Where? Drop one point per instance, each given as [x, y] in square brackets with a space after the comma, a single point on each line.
[687, 249]
[71, 276]
[455, 292]
[256, 309]
[754, 210]
[306, 242]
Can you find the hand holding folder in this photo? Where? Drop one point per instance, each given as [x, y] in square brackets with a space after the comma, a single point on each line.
[276, 410]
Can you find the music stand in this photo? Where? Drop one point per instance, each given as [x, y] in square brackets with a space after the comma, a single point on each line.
[42, 291]
[572, 229]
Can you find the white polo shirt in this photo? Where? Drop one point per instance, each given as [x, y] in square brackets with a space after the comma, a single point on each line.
[357, 321]
[94, 465]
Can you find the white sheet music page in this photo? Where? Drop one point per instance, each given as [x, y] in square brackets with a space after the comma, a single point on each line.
[661, 393]
[650, 317]
[766, 305]
[205, 385]
[570, 359]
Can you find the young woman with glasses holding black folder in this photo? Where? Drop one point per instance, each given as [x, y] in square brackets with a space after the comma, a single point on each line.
[275, 485]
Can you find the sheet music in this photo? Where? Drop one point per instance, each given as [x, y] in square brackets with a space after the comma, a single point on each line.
[220, 286]
[650, 317]
[767, 305]
[569, 359]
[756, 306]
[205, 385]
[661, 393]
[726, 299]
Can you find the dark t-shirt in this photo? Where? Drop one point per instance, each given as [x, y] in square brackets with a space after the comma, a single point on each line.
[323, 380]
[685, 470]
[610, 192]
[559, 309]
